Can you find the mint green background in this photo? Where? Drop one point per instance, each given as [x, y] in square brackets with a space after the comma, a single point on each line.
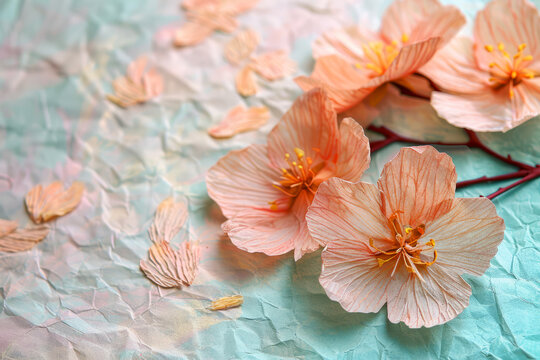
[80, 292]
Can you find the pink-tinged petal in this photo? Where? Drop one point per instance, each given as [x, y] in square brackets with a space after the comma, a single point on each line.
[243, 180]
[342, 210]
[344, 217]
[241, 46]
[169, 219]
[46, 204]
[215, 20]
[444, 23]
[191, 33]
[135, 69]
[418, 185]
[526, 102]
[240, 119]
[310, 125]
[7, 226]
[403, 16]
[363, 113]
[345, 86]
[153, 83]
[273, 65]
[466, 237]
[353, 151]
[303, 242]
[23, 239]
[438, 299]
[453, 68]
[346, 42]
[409, 59]
[486, 111]
[127, 93]
[511, 22]
[246, 84]
[168, 268]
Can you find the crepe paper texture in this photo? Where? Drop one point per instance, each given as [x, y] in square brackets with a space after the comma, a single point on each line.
[47, 203]
[491, 83]
[265, 190]
[239, 120]
[80, 292]
[404, 242]
[227, 302]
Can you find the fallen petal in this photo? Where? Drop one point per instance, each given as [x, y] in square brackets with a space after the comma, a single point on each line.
[169, 219]
[227, 302]
[7, 226]
[241, 46]
[274, 65]
[246, 84]
[45, 204]
[191, 33]
[240, 119]
[23, 239]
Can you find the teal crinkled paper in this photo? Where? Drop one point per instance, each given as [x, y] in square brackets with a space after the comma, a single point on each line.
[80, 293]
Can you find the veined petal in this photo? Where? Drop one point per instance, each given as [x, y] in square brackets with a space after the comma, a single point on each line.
[444, 23]
[46, 204]
[191, 33]
[169, 219]
[241, 46]
[466, 237]
[486, 111]
[246, 84]
[526, 102]
[303, 242]
[243, 180]
[354, 151]
[310, 125]
[438, 299]
[273, 65]
[7, 226]
[240, 119]
[510, 22]
[342, 210]
[453, 68]
[346, 42]
[418, 185]
[23, 239]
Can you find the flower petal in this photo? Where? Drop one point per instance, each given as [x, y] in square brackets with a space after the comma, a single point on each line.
[344, 210]
[135, 69]
[363, 113]
[241, 46]
[453, 68]
[273, 65]
[346, 42]
[169, 219]
[486, 111]
[23, 239]
[439, 298]
[45, 204]
[153, 83]
[510, 22]
[243, 180]
[246, 84]
[420, 182]
[191, 33]
[444, 23]
[345, 86]
[7, 226]
[466, 237]
[526, 102]
[354, 151]
[311, 125]
[240, 119]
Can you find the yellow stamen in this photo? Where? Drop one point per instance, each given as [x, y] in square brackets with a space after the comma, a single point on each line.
[489, 48]
[501, 46]
[511, 93]
[514, 75]
[404, 38]
[299, 153]
[522, 47]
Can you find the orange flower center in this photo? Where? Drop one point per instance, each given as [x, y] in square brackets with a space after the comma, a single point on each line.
[407, 246]
[380, 55]
[507, 69]
[300, 175]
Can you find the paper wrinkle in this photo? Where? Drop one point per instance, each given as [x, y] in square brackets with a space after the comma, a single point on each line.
[80, 293]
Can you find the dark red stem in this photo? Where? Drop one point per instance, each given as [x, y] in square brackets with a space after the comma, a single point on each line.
[525, 173]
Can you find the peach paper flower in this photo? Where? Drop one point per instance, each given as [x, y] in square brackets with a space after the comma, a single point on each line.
[265, 190]
[354, 64]
[492, 83]
[404, 241]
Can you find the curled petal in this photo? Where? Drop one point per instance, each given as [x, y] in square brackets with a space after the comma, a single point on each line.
[191, 33]
[354, 151]
[418, 185]
[45, 204]
[240, 120]
[169, 219]
[168, 268]
[23, 239]
[273, 65]
[246, 84]
[241, 46]
[7, 226]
